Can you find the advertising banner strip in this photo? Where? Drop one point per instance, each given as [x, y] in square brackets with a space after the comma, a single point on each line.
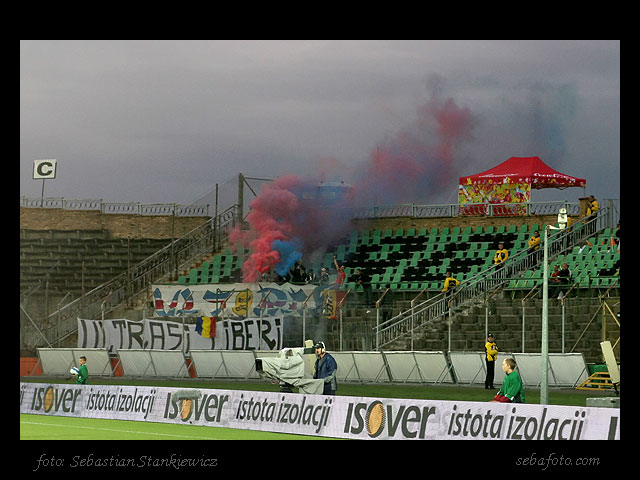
[327, 416]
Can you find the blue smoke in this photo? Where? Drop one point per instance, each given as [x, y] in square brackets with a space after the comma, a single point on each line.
[290, 253]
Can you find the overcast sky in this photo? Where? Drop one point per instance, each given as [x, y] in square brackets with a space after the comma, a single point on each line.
[164, 121]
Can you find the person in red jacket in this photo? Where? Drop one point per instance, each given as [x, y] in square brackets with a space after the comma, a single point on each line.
[341, 274]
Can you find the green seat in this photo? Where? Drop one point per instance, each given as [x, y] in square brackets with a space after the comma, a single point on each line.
[193, 276]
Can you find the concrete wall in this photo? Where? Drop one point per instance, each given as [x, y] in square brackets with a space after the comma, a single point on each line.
[118, 225]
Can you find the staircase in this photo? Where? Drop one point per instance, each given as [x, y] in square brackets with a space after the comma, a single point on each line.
[127, 288]
[485, 284]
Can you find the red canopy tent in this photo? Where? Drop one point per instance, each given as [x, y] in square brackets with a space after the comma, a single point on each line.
[530, 170]
[510, 183]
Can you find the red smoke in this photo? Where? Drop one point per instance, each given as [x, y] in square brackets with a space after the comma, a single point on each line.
[271, 218]
[417, 164]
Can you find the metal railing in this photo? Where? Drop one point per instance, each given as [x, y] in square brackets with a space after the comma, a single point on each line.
[489, 280]
[130, 208]
[179, 254]
[457, 210]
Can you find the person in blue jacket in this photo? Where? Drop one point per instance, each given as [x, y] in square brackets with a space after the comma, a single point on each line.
[326, 368]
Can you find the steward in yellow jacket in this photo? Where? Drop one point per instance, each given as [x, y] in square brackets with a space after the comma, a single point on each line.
[450, 282]
[593, 205]
[491, 350]
[501, 255]
[534, 242]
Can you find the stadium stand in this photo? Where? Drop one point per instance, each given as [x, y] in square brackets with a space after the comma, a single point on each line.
[73, 260]
[413, 260]
[407, 260]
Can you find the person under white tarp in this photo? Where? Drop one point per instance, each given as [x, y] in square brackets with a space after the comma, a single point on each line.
[289, 368]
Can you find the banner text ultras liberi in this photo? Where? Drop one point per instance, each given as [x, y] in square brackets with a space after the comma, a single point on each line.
[328, 416]
[165, 335]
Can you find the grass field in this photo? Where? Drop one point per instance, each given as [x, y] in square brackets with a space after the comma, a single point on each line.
[42, 427]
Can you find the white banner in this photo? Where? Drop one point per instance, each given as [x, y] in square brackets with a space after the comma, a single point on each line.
[166, 335]
[327, 416]
[235, 301]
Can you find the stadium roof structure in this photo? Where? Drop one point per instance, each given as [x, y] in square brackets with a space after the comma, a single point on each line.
[527, 170]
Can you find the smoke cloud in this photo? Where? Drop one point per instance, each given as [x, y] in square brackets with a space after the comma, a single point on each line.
[415, 164]
[420, 163]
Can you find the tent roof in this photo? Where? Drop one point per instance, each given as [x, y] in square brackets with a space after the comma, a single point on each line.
[530, 170]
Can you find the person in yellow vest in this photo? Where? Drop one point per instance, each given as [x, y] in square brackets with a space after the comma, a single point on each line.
[450, 283]
[593, 205]
[491, 355]
[534, 246]
[534, 242]
[501, 254]
[500, 257]
[592, 209]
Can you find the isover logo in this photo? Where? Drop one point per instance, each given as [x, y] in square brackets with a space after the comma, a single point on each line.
[398, 421]
[209, 407]
[51, 398]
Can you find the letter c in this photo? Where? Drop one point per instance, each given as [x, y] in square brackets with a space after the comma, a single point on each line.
[45, 173]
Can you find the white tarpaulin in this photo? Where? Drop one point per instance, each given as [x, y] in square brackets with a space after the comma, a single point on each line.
[289, 367]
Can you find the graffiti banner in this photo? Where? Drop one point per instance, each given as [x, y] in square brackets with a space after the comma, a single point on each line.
[235, 300]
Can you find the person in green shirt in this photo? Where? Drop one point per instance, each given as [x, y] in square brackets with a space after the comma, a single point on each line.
[83, 375]
[512, 390]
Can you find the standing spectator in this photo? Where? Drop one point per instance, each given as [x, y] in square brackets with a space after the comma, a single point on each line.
[341, 275]
[323, 278]
[491, 351]
[363, 279]
[501, 256]
[616, 238]
[534, 242]
[511, 390]
[298, 273]
[326, 368]
[534, 246]
[593, 206]
[564, 277]
[592, 209]
[311, 276]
